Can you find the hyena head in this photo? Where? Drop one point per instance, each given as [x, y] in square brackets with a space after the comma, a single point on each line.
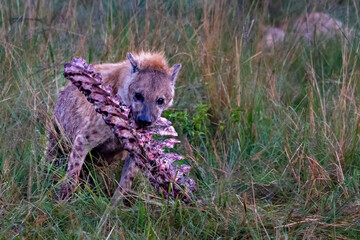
[152, 87]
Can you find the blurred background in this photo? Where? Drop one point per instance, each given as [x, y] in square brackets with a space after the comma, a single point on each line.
[266, 106]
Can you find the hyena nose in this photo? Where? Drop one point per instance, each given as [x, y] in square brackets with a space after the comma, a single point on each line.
[144, 121]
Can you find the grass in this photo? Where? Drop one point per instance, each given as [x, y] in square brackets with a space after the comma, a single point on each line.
[273, 138]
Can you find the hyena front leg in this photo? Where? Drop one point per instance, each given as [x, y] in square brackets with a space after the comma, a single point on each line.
[128, 174]
[52, 149]
[76, 160]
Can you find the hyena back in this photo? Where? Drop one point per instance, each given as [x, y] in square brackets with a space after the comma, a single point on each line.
[144, 82]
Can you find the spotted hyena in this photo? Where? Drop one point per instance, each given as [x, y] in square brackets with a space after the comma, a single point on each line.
[306, 27]
[144, 82]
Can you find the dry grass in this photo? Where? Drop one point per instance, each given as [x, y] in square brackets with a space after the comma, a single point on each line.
[272, 136]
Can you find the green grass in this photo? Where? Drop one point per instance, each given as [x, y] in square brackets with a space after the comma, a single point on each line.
[272, 138]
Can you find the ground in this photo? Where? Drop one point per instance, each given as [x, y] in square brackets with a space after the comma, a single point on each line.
[272, 135]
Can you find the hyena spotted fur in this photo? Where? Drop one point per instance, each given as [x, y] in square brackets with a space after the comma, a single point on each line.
[144, 81]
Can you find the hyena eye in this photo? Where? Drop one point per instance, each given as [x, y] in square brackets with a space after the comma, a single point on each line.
[160, 101]
[139, 96]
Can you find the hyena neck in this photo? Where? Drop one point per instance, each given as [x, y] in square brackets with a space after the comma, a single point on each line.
[123, 91]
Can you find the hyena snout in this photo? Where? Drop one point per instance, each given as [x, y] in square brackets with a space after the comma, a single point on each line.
[143, 121]
[145, 117]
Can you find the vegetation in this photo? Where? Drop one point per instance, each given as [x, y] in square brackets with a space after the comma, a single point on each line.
[272, 136]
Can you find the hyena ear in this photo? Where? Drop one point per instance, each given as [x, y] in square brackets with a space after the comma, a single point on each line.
[133, 62]
[175, 70]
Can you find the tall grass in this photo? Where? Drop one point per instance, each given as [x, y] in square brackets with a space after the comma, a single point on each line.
[272, 136]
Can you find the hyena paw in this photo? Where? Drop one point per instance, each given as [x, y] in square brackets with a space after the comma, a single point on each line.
[66, 190]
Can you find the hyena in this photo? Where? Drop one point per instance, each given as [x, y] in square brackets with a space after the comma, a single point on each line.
[144, 81]
[305, 27]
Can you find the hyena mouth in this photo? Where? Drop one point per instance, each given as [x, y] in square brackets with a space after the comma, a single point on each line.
[143, 121]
